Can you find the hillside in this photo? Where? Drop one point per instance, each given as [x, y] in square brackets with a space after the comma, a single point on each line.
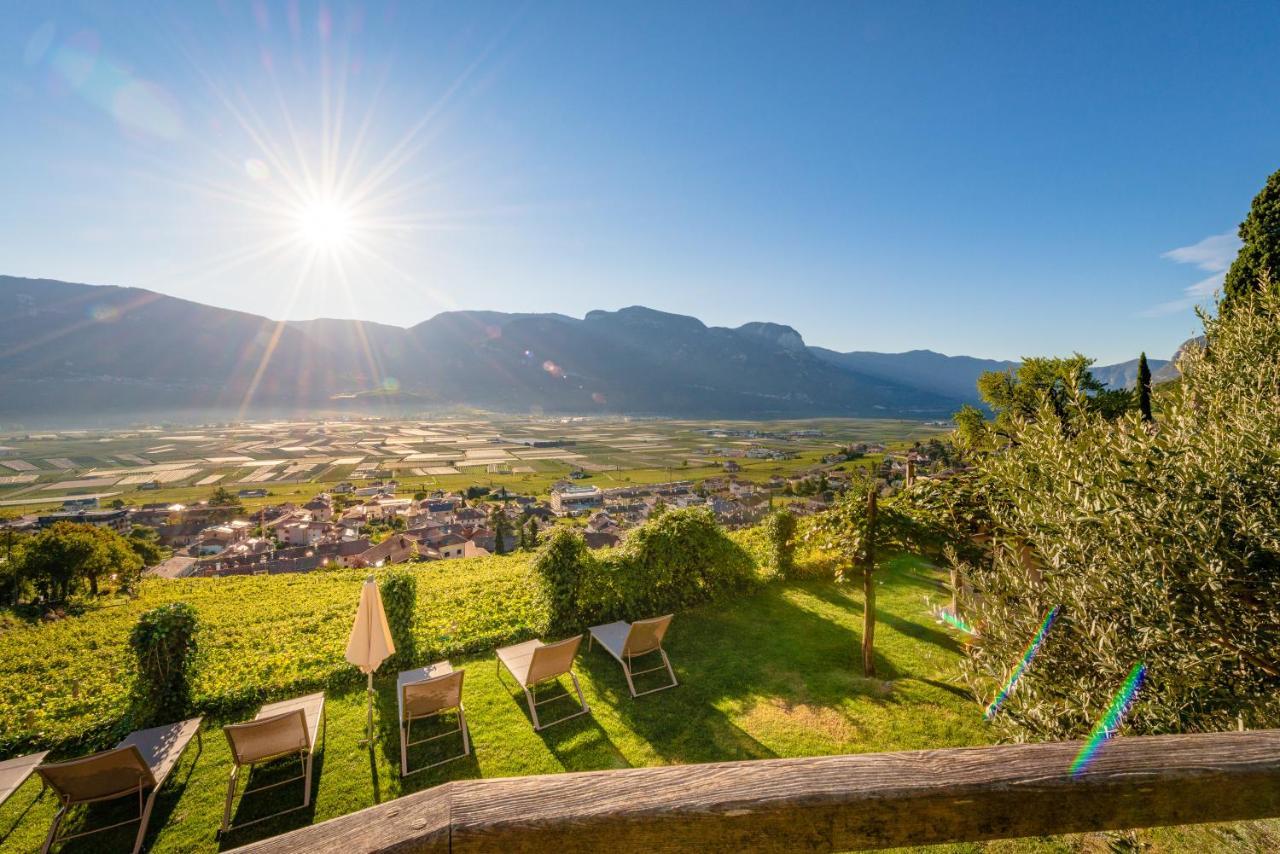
[74, 352]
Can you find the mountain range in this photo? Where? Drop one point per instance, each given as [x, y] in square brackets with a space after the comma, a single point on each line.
[90, 354]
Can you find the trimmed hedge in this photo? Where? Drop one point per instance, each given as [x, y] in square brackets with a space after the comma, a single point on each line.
[677, 559]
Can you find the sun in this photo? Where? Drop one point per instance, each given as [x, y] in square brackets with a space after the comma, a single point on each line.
[325, 224]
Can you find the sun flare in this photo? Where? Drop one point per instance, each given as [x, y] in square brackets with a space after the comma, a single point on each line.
[325, 224]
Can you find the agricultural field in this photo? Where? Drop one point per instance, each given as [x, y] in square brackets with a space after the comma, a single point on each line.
[297, 459]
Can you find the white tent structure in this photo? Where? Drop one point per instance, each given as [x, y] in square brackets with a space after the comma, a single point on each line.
[370, 643]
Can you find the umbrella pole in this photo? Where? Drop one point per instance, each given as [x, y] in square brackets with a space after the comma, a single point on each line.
[368, 739]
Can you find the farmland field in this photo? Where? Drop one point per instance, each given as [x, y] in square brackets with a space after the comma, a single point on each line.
[296, 459]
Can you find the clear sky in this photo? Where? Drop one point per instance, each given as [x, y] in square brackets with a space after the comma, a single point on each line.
[988, 179]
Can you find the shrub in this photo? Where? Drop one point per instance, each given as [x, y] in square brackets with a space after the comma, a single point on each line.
[679, 559]
[164, 645]
[559, 566]
[780, 537]
[399, 590]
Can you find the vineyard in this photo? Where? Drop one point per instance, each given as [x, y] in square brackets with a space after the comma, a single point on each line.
[66, 682]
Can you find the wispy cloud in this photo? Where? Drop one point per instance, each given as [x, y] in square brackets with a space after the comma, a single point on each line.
[1213, 255]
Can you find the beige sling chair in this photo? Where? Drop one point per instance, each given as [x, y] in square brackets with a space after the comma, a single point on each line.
[627, 641]
[424, 693]
[280, 729]
[142, 761]
[534, 662]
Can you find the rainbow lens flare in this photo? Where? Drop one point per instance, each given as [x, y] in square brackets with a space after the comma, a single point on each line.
[953, 620]
[1027, 656]
[1111, 721]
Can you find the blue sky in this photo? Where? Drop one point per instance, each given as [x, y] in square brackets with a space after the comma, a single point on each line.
[989, 179]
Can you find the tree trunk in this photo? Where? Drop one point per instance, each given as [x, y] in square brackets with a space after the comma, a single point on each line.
[869, 591]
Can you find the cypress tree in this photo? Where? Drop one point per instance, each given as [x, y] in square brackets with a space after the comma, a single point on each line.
[1260, 252]
[1144, 387]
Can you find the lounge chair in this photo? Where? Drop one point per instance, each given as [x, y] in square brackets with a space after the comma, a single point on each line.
[280, 729]
[627, 641]
[424, 693]
[534, 662]
[14, 772]
[142, 761]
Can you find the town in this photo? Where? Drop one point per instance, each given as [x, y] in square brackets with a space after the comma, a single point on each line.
[372, 522]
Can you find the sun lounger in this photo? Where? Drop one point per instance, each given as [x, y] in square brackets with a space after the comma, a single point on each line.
[627, 641]
[424, 693]
[534, 662]
[142, 761]
[280, 729]
[14, 772]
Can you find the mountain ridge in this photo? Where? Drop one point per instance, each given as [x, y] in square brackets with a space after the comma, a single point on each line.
[72, 349]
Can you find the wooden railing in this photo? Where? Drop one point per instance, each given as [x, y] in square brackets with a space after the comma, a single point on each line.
[828, 803]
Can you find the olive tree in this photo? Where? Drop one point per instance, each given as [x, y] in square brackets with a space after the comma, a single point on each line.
[1160, 544]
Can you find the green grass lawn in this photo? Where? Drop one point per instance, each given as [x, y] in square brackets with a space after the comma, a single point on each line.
[767, 675]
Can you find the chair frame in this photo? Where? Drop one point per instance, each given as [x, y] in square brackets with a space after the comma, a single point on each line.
[406, 724]
[306, 756]
[626, 659]
[531, 696]
[145, 806]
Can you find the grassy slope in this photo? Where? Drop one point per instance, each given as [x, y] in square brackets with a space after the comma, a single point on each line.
[800, 697]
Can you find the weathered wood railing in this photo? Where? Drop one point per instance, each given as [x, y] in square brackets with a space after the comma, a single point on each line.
[828, 803]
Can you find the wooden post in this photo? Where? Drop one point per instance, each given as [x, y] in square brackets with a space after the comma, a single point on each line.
[911, 470]
[869, 590]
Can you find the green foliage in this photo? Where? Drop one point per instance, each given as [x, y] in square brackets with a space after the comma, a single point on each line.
[851, 531]
[559, 567]
[780, 535]
[501, 526]
[399, 590]
[146, 545]
[679, 559]
[531, 535]
[972, 430]
[1161, 546]
[60, 558]
[1259, 257]
[164, 646]
[223, 497]
[1019, 394]
[1144, 387]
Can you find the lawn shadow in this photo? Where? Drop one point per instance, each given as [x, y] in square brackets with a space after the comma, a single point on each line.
[679, 728]
[110, 812]
[962, 693]
[388, 734]
[273, 810]
[914, 630]
[17, 821]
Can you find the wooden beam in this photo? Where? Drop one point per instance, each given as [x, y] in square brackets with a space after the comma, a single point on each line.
[829, 803]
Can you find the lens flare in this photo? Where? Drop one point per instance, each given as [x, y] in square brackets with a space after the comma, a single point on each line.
[257, 170]
[953, 620]
[1027, 656]
[1105, 728]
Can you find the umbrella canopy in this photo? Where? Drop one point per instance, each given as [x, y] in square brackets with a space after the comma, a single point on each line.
[370, 643]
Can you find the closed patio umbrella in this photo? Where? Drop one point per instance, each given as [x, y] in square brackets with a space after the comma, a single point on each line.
[370, 641]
